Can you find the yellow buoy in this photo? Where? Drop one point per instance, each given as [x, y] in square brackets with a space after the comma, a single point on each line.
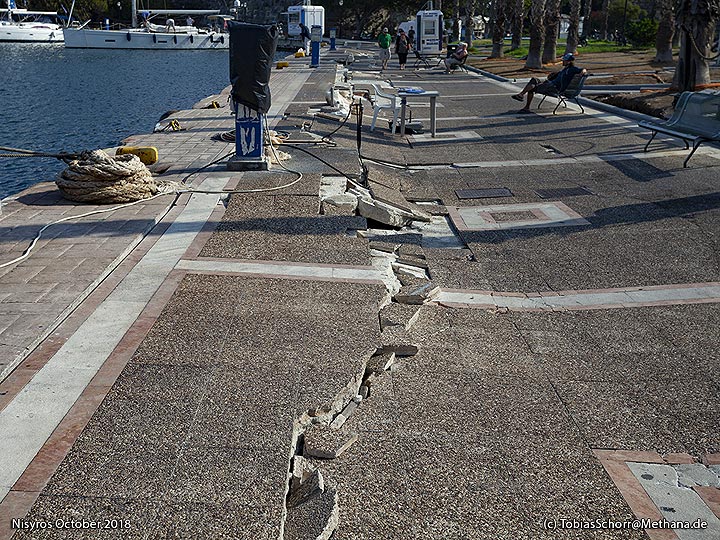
[281, 65]
[147, 154]
[300, 54]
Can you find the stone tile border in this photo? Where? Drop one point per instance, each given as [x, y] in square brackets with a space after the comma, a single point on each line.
[590, 158]
[615, 464]
[28, 487]
[546, 213]
[282, 270]
[571, 300]
[445, 137]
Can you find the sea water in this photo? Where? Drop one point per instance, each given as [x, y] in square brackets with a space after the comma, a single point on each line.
[54, 99]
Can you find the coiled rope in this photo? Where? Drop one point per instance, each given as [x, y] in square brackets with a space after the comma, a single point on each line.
[96, 177]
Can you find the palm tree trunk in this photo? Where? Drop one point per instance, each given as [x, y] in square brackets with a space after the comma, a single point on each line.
[537, 34]
[697, 20]
[605, 13]
[552, 20]
[498, 35]
[517, 24]
[586, 8]
[469, 23]
[573, 36]
[666, 28]
[456, 21]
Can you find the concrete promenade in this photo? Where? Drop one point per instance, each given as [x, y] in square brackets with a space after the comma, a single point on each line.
[510, 365]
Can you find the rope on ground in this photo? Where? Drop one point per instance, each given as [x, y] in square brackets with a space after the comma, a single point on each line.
[96, 177]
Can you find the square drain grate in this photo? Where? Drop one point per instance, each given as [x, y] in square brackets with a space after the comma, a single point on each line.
[490, 193]
[559, 193]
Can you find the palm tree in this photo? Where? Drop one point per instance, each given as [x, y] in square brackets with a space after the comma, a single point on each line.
[537, 34]
[696, 20]
[517, 24]
[586, 8]
[498, 34]
[552, 19]
[573, 35]
[666, 29]
[605, 19]
[469, 22]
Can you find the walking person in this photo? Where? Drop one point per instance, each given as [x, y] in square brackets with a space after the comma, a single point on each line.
[383, 41]
[402, 47]
[305, 35]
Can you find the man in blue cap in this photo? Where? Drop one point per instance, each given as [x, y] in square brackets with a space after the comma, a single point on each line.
[553, 85]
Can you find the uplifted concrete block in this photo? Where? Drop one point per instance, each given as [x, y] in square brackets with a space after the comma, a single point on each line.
[417, 294]
[395, 339]
[399, 314]
[384, 213]
[326, 443]
[339, 204]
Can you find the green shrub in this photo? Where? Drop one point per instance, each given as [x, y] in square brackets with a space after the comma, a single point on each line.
[642, 33]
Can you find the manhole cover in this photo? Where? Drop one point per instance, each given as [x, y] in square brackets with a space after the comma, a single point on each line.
[482, 193]
[559, 193]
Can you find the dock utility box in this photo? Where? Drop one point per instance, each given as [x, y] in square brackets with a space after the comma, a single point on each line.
[308, 15]
[429, 33]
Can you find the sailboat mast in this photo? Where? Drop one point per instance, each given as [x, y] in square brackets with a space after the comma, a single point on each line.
[134, 13]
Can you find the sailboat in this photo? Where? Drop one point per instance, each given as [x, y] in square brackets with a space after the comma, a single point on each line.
[23, 25]
[167, 36]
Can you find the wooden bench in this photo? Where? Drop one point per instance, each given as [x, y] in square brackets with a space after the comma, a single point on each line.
[571, 92]
[696, 119]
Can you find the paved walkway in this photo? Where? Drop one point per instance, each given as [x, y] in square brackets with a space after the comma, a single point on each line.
[181, 389]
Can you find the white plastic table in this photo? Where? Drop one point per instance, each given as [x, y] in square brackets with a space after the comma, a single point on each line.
[425, 94]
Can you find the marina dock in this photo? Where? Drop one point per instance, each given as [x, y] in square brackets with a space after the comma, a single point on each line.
[509, 364]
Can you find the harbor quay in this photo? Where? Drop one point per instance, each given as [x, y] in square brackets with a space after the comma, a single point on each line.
[505, 329]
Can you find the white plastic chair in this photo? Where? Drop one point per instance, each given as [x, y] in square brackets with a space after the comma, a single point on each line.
[384, 101]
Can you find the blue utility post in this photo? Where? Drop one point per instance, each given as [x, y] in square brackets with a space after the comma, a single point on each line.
[315, 39]
[249, 151]
[333, 33]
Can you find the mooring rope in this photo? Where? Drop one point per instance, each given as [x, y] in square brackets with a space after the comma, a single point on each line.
[96, 177]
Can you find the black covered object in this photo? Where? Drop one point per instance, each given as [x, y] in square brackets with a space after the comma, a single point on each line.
[252, 49]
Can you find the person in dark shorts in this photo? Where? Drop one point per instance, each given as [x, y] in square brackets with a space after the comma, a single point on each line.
[553, 85]
[402, 47]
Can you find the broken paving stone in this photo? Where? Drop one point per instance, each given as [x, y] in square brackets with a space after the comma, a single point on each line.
[346, 413]
[325, 443]
[395, 314]
[411, 260]
[392, 196]
[696, 474]
[416, 295]
[396, 339]
[409, 270]
[412, 250]
[315, 519]
[384, 213]
[385, 247]
[379, 363]
[339, 204]
[302, 491]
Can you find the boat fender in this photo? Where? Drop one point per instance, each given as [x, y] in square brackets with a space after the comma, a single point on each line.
[154, 38]
[128, 36]
[192, 39]
[175, 39]
[147, 154]
[222, 39]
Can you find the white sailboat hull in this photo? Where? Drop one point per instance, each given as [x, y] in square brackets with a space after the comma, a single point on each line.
[140, 39]
[30, 33]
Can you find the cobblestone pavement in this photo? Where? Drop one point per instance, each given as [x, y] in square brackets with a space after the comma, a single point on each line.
[267, 366]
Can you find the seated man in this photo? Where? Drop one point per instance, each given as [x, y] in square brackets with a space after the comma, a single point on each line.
[554, 85]
[456, 58]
